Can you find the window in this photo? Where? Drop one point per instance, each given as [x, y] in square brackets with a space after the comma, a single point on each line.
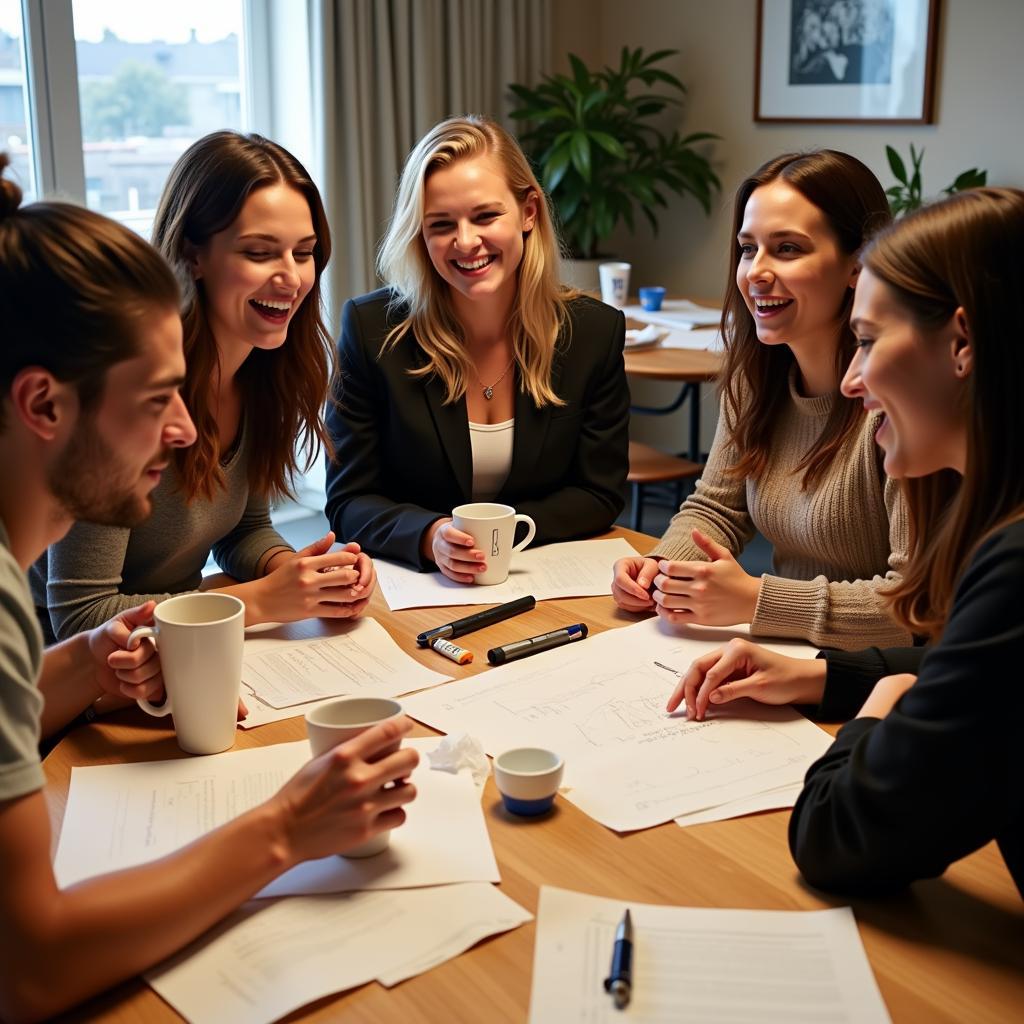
[15, 137]
[151, 80]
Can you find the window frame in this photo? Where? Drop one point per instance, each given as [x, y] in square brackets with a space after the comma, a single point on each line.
[51, 73]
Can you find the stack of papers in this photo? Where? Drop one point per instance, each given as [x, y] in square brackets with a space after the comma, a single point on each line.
[580, 568]
[600, 703]
[120, 815]
[282, 678]
[698, 965]
[271, 958]
[431, 898]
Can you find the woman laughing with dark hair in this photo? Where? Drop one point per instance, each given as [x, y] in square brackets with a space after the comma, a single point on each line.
[792, 457]
[242, 224]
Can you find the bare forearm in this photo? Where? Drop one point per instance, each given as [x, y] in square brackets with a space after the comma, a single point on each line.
[103, 931]
[67, 682]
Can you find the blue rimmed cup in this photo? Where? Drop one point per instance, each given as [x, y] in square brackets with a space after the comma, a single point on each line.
[528, 779]
[652, 298]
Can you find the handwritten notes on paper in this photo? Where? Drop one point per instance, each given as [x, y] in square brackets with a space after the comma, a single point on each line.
[697, 964]
[601, 704]
[120, 815]
[271, 958]
[284, 672]
[580, 568]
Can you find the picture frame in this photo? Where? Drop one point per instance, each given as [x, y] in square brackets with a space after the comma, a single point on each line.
[845, 61]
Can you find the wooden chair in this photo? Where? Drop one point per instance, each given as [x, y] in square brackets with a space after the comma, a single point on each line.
[649, 466]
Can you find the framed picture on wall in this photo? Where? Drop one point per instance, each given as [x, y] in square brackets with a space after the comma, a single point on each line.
[846, 61]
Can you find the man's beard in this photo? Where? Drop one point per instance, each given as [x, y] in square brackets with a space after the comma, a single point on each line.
[90, 483]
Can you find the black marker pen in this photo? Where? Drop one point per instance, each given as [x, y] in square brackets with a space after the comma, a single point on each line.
[536, 644]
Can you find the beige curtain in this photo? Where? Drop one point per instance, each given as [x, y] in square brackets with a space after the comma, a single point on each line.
[390, 69]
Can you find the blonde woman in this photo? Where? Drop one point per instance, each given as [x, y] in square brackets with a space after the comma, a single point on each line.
[473, 376]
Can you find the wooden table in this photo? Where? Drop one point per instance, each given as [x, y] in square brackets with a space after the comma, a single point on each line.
[690, 367]
[951, 949]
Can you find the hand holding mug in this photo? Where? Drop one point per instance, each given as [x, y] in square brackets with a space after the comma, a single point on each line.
[199, 638]
[454, 552]
[125, 667]
[332, 726]
[492, 526]
[351, 796]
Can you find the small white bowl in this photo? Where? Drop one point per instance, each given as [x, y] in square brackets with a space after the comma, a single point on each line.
[528, 779]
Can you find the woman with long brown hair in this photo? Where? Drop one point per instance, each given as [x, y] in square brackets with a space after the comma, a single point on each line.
[243, 226]
[474, 375]
[791, 457]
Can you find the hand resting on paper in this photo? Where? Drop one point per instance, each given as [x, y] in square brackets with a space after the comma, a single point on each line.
[452, 551]
[744, 669]
[344, 797]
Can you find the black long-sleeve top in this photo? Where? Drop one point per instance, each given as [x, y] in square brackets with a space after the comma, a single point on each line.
[900, 798]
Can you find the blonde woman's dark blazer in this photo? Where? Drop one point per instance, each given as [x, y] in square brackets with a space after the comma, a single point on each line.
[403, 457]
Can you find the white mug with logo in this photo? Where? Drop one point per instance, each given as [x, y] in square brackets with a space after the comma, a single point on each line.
[199, 638]
[614, 283]
[493, 529]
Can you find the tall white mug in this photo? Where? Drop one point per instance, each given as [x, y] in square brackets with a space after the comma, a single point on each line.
[199, 639]
[339, 720]
[614, 283]
[493, 529]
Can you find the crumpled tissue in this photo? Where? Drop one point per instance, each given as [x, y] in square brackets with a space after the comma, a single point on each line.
[460, 751]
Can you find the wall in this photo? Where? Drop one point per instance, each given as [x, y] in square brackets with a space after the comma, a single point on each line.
[979, 90]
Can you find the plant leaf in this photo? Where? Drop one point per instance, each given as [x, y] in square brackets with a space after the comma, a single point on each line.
[609, 144]
[579, 146]
[896, 164]
[555, 168]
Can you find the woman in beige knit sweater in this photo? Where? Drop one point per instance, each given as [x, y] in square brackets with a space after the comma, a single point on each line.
[791, 457]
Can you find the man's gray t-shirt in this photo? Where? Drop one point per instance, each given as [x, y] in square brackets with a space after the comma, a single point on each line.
[21, 703]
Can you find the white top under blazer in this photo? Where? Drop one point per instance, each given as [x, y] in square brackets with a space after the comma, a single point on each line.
[492, 456]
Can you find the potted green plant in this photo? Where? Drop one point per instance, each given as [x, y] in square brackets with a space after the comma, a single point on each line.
[908, 194]
[599, 153]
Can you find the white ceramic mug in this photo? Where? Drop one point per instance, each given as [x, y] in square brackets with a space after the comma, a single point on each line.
[199, 638]
[493, 529]
[329, 724]
[614, 283]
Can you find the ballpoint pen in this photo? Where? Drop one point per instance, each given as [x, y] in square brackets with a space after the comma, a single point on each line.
[536, 644]
[619, 983]
[478, 620]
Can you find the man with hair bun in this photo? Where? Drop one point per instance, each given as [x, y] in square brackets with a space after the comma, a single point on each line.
[90, 414]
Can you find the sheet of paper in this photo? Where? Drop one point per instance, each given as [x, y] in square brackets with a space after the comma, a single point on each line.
[579, 568]
[678, 314]
[773, 800]
[699, 966]
[272, 958]
[707, 338]
[600, 703]
[120, 815]
[363, 660]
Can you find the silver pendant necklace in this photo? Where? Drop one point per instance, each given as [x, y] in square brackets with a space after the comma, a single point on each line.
[488, 389]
